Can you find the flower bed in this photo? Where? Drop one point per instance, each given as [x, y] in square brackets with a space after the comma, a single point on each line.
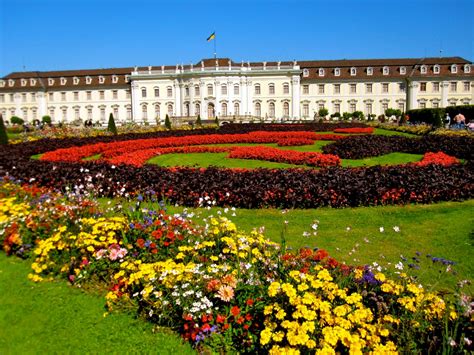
[294, 142]
[437, 158]
[226, 289]
[355, 130]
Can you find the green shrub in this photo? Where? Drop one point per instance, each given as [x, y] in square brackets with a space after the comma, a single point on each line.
[358, 115]
[16, 120]
[217, 121]
[167, 122]
[346, 115]
[111, 126]
[46, 119]
[3, 132]
[198, 121]
[466, 110]
[432, 116]
[323, 112]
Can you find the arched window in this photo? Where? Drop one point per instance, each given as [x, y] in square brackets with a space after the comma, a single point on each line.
[286, 88]
[170, 110]
[210, 110]
[271, 89]
[258, 109]
[257, 89]
[144, 112]
[157, 111]
[143, 92]
[198, 109]
[286, 109]
[224, 109]
[353, 71]
[385, 70]
[271, 110]
[186, 110]
[236, 109]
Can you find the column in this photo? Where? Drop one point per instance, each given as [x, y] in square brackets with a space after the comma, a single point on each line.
[177, 98]
[191, 99]
[249, 98]
[444, 93]
[41, 104]
[201, 98]
[135, 101]
[413, 94]
[217, 94]
[230, 96]
[295, 96]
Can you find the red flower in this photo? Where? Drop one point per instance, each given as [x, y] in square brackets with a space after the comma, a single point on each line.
[220, 318]
[235, 311]
[141, 242]
[249, 302]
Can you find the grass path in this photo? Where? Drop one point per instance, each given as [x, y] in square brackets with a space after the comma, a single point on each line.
[53, 317]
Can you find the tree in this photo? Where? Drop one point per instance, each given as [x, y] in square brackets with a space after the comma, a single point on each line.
[216, 121]
[167, 122]
[111, 126]
[16, 120]
[393, 112]
[346, 115]
[3, 132]
[198, 121]
[46, 119]
[323, 112]
[359, 115]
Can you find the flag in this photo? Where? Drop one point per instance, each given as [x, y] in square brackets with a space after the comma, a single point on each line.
[211, 37]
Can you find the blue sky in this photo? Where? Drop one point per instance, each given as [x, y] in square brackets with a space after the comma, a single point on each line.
[74, 34]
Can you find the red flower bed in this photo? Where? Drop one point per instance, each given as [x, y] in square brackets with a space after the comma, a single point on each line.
[439, 158]
[362, 130]
[285, 156]
[293, 142]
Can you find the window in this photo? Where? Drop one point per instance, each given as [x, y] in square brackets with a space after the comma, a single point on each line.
[63, 96]
[257, 89]
[51, 96]
[385, 70]
[321, 72]
[337, 88]
[423, 104]
[337, 72]
[305, 89]
[385, 88]
[435, 104]
[258, 109]
[89, 95]
[63, 81]
[23, 97]
[435, 87]
[102, 114]
[384, 107]
[368, 88]
[403, 70]
[198, 109]
[144, 112]
[286, 88]
[76, 95]
[170, 109]
[271, 110]
[76, 113]
[157, 92]
[115, 94]
[224, 89]
[353, 71]
[286, 109]
[305, 110]
[88, 80]
[467, 68]
[236, 89]
[114, 79]
[169, 91]
[305, 73]
[102, 94]
[33, 96]
[352, 107]
[401, 106]
[236, 109]
[157, 111]
[116, 113]
[129, 113]
[186, 91]
[51, 112]
[210, 90]
[34, 112]
[143, 92]
[423, 69]
[436, 69]
[271, 89]
[467, 86]
[197, 91]
[127, 94]
[89, 113]
[320, 106]
[12, 98]
[353, 88]
[454, 68]
[370, 71]
[321, 88]
[186, 110]
[2, 98]
[368, 108]
[64, 111]
[101, 79]
[423, 87]
[454, 86]
[224, 109]
[401, 87]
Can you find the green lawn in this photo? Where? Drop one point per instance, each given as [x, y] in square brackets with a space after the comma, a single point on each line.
[353, 234]
[55, 318]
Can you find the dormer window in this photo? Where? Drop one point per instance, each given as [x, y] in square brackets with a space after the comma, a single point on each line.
[88, 80]
[321, 71]
[370, 71]
[2, 84]
[423, 69]
[353, 71]
[337, 72]
[127, 78]
[114, 79]
[454, 68]
[101, 79]
[467, 68]
[385, 70]
[11, 82]
[32, 82]
[403, 70]
[76, 80]
[305, 73]
[50, 81]
[436, 69]
[63, 81]
[23, 82]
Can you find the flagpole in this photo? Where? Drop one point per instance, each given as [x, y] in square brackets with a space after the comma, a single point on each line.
[215, 41]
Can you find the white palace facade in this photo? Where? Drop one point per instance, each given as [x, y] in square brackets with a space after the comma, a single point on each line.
[238, 91]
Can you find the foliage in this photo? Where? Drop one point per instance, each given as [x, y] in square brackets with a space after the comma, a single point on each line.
[167, 122]
[198, 120]
[393, 112]
[323, 112]
[346, 116]
[3, 132]
[431, 116]
[16, 120]
[358, 115]
[46, 119]
[466, 110]
[111, 125]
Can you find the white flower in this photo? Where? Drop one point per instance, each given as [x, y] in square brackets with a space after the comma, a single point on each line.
[396, 229]
[399, 266]
[381, 229]
[314, 226]
[306, 234]
[348, 229]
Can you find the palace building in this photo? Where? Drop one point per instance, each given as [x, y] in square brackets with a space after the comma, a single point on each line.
[238, 91]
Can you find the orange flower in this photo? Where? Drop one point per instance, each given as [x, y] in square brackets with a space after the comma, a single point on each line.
[213, 285]
[235, 311]
[229, 280]
[225, 293]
